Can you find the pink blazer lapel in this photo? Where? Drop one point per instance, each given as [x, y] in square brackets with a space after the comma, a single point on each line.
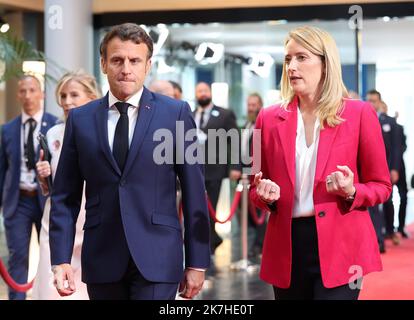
[286, 130]
[326, 139]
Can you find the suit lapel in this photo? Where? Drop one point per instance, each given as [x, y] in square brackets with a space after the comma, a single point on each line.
[286, 130]
[326, 139]
[145, 113]
[101, 118]
[45, 125]
[17, 135]
[214, 116]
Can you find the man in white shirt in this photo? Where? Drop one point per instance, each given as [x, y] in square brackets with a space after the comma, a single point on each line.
[20, 195]
[133, 245]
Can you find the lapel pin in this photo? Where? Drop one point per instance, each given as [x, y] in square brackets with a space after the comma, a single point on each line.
[147, 107]
[215, 113]
[44, 123]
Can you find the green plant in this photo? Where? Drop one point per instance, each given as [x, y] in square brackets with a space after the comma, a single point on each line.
[13, 52]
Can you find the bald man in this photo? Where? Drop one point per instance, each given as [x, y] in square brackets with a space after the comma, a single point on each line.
[162, 87]
[20, 196]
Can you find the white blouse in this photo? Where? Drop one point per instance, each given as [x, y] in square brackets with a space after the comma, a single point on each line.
[305, 159]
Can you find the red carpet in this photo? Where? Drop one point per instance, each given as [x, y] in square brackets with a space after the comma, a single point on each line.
[396, 281]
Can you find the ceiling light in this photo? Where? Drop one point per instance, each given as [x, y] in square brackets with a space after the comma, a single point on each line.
[208, 52]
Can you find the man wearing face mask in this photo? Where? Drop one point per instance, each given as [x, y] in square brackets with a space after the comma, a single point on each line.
[207, 117]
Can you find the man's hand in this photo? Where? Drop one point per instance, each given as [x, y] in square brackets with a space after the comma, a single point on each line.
[192, 283]
[266, 189]
[394, 176]
[235, 175]
[64, 279]
[341, 182]
[43, 172]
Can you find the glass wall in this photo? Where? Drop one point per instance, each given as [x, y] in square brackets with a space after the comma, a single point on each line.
[252, 56]
[251, 60]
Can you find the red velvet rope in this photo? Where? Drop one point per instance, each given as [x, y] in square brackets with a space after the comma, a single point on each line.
[253, 213]
[10, 282]
[233, 209]
[237, 196]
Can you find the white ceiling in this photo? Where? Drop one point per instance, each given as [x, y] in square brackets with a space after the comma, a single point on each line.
[381, 41]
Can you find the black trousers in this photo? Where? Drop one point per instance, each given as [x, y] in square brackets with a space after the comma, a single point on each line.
[306, 281]
[377, 218]
[132, 286]
[213, 191]
[18, 229]
[388, 208]
[402, 190]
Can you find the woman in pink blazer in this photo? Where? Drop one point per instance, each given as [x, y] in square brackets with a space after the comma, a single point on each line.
[322, 161]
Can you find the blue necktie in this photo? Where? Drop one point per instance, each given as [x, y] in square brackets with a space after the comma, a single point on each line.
[121, 142]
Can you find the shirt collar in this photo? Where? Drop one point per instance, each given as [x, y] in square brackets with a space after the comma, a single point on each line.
[206, 109]
[133, 101]
[301, 126]
[37, 116]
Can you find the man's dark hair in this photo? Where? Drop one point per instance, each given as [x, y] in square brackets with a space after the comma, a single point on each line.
[176, 86]
[125, 32]
[373, 91]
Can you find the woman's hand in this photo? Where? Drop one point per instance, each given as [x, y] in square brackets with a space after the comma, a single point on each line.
[43, 167]
[341, 182]
[266, 189]
[43, 171]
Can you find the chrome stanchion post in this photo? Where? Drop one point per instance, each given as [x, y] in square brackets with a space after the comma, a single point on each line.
[244, 208]
[244, 264]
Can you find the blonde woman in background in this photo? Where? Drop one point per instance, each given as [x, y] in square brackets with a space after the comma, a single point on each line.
[73, 90]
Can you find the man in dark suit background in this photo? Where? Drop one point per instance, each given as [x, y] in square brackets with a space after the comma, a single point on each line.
[207, 117]
[133, 245]
[402, 183]
[20, 195]
[392, 142]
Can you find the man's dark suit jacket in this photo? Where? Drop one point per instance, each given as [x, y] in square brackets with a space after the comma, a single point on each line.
[129, 213]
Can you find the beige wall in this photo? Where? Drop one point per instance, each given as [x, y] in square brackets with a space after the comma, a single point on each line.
[9, 108]
[101, 6]
[36, 5]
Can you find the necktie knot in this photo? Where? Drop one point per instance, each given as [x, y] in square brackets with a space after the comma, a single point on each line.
[122, 107]
[31, 122]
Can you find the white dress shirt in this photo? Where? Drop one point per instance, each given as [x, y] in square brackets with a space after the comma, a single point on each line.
[113, 115]
[27, 177]
[305, 160]
[206, 115]
[247, 132]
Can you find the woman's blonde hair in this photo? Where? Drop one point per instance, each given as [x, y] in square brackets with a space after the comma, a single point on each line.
[333, 90]
[87, 81]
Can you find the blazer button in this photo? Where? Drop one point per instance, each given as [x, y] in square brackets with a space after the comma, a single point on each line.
[122, 183]
[321, 214]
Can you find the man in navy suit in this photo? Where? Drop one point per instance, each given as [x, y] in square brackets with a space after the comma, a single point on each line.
[133, 244]
[20, 195]
[393, 150]
[209, 119]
